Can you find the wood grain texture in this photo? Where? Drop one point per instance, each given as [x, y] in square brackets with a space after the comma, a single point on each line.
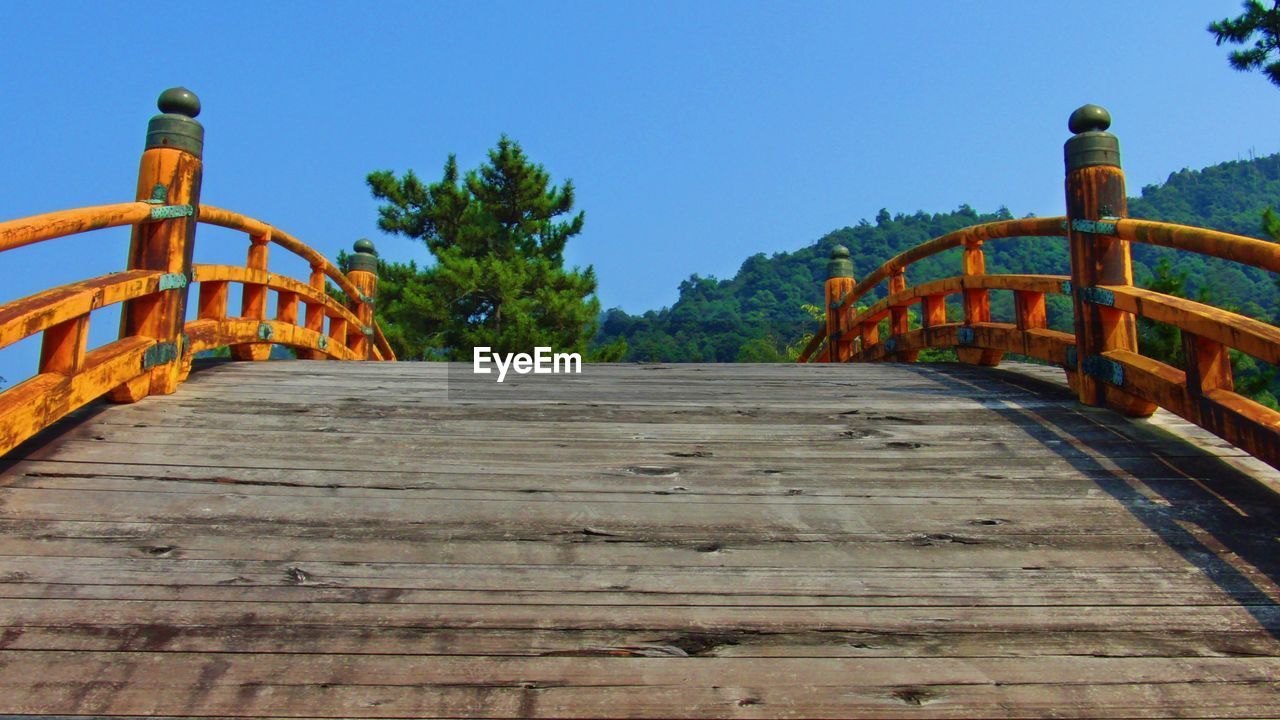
[307, 539]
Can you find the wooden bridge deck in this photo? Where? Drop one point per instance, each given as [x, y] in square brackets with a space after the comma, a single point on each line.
[349, 539]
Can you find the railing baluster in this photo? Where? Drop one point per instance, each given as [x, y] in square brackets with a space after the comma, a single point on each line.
[934, 311]
[287, 307]
[977, 305]
[62, 348]
[363, 274]
[315, 312]
[1030, 310]
[168, 176]
[338, 330]
[868, 335]
[1208, 365]
[899, 317]
[212, 300]
[253, 303]
[1096, 192]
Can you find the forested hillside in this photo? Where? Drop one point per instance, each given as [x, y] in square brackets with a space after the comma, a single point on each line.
[757, 313]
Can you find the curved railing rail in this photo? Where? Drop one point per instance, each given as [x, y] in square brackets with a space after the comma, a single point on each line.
[156, 343]
[1101, 357]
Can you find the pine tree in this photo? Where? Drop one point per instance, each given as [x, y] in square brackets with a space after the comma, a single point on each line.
[498, 235]
[1265, 53]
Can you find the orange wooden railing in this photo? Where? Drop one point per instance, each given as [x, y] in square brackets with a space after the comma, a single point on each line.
[1101, 357]
[156, 344]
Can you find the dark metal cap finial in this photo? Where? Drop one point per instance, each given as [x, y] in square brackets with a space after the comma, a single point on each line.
[176, 126]
[840, 266]
[366, 257]
[1089, 117]
[179, 101]
[1092, 144]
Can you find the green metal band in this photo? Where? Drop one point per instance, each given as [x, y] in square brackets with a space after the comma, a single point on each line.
[173, 281]
[175, 131]
[168, 212]
[1092, 148]
[323, 342]
[364, 261]
[159, 354]
[1098, 296]
[265, 331]
[1105, 226]
[839, 266]
[1104, 369]
[964, 335]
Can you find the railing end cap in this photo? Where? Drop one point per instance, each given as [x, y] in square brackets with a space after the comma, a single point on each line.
[179, 101]
[1089, 117]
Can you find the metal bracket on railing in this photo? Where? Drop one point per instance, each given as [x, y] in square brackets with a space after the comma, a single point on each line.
[265, 331]
[1065, 287]
[173, 281]
[1072, 358]
[1098, 296]
[891, 344]
[323, 343]
[366, 330]
[964, 336]
[1104, 369]
[1105, 226]
[159, 354]
[161, 211]
[168, 212]
[366, 299]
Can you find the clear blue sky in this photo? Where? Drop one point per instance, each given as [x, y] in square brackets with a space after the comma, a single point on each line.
[697, 133]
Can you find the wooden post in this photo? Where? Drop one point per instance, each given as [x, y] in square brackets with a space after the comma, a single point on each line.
[899, 319]
[977, 306]
[169, 177]
[253, 303]
[364, 275]
[839, 283]
[1095, 191]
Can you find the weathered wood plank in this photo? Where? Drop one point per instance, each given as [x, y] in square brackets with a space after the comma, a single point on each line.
[345, 539]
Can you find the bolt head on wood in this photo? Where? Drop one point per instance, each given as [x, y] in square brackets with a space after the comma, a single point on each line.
[179, 101]
[1089, 117]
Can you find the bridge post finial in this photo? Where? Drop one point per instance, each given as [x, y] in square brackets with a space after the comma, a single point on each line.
[169, 177]
[1095, 190]
[839, 283]
[363, 272]
[176, 126]
[1091, 145]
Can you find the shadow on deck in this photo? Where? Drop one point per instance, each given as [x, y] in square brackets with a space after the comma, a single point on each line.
[350, 539]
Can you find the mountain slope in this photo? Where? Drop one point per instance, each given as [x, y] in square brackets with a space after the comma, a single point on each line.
[757, 312]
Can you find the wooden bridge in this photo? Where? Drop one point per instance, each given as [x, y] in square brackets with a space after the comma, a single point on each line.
[185, 538]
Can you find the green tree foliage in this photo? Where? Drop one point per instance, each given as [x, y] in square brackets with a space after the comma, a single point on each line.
[1257, 20]
[498, 235]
